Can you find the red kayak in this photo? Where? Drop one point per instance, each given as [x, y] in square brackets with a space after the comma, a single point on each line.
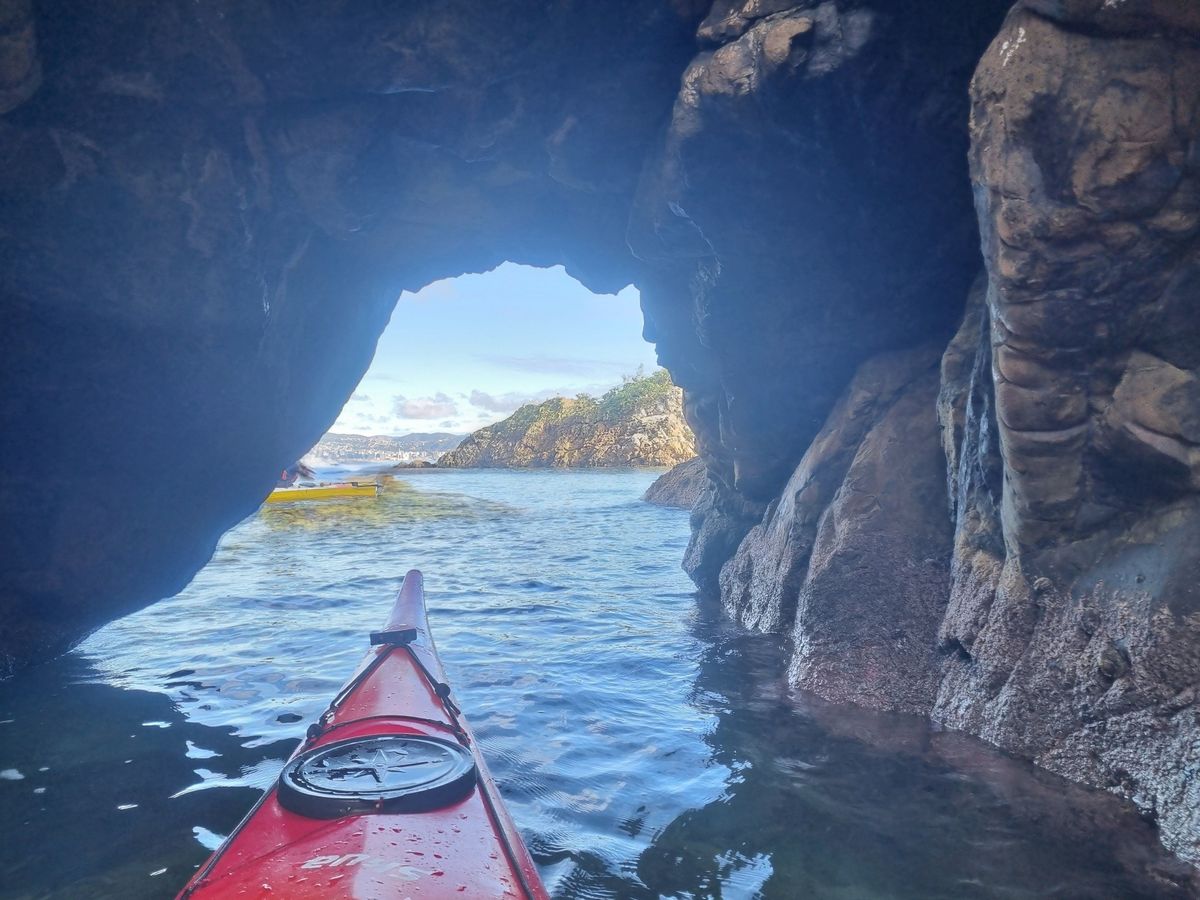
[387, 797]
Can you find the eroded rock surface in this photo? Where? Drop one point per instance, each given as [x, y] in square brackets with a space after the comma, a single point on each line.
[864, 238]
[1065, 623]
[1078, 634]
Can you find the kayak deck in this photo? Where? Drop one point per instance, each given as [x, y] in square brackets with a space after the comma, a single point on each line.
[324, 491]
[468, 846]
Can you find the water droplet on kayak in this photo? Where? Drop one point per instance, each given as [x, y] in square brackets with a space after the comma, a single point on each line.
[127, 806]
[437, 872]
[40, 790]
[10, 775]
[157, 872]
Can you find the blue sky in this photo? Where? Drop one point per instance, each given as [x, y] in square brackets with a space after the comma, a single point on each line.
[465, 352]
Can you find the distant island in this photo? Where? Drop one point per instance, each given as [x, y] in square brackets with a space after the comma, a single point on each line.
[638, 423]
[406, 448]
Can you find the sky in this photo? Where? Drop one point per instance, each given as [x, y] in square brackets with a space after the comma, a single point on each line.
[465, 352]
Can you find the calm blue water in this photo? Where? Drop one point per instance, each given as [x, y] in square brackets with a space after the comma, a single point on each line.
[645, 748]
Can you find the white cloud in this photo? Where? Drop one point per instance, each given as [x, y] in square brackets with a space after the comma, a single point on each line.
[506, 403]
[439, 406]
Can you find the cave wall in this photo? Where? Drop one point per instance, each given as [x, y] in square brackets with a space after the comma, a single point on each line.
[965, 482]
[1080, 646]
[1045, 596]
[207, 212]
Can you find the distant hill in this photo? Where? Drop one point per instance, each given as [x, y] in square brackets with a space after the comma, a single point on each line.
[383, 447]
[639, 423]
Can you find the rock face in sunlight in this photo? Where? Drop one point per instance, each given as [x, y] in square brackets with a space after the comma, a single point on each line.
[967, 485]
[639, 423]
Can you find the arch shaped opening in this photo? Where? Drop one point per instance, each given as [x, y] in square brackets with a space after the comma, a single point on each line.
[465, 352]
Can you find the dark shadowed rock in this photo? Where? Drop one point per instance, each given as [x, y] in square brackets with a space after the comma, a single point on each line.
[207, 212]
[868, 611]
[785, 105]
[761, 584]
[854, 558]
[680, 486]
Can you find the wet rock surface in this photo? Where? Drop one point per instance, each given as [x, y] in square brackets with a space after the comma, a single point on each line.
[1063, 624]
[209, 210]
[680, 486]
[1078, 635]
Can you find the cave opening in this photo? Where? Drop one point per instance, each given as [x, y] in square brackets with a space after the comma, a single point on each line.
[465, 352]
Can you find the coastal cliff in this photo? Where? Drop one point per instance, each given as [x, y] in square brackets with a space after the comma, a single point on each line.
[927, 278]
[639, 423]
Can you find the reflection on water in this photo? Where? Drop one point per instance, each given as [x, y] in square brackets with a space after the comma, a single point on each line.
[646, 749]
[834, 802]
[398, 504]
[103, 808]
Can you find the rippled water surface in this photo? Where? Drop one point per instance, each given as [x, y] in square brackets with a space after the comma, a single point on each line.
[645, 748]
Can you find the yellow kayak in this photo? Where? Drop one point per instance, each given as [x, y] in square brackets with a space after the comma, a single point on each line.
[324, 491]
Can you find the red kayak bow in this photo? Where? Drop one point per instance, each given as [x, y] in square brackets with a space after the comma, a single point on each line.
[387, 797]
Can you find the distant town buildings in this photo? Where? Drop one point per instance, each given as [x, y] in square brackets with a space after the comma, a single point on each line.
[348, 448]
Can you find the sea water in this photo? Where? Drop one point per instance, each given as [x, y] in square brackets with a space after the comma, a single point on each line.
[645, 747]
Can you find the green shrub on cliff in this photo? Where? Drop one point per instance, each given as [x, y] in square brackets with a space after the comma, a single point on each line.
[639, 422]
[637, 392]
